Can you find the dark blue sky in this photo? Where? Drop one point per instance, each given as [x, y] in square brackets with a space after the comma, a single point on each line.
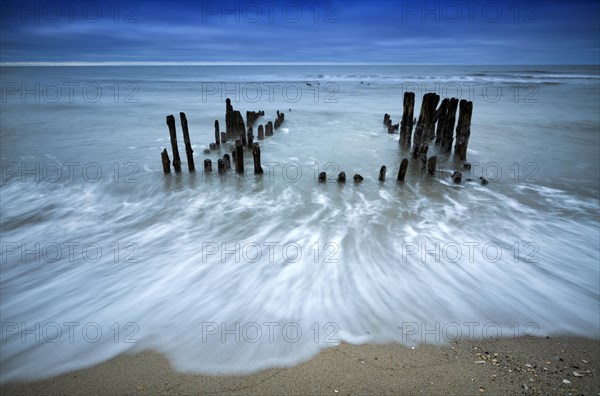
[417, 32]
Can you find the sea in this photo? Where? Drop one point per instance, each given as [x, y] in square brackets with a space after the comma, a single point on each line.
[226, 273]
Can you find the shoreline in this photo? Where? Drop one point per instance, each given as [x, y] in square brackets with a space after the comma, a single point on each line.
[529, 365]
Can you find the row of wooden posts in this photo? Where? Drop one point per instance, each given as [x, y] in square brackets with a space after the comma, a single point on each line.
[235, 128]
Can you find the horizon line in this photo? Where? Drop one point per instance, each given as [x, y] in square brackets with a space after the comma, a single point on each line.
[218, 63]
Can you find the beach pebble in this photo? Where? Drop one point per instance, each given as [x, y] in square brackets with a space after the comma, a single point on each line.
[576, 374]
[566, 382]
[480, 362]
[525, 386]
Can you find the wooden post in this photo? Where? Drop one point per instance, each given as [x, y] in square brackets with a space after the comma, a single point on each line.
[239, 156]
[403, 168]
[227, 161]
[207, 165]
[217, 133]
[228, 118]
[456, 177]
[186, 140]
[463, 130]
[223, 137]
[357, 178]
[269, 129]
[424, 131]
[342, 177]
[322, 177]
[212, 146]
[382, 173]
[221, 165]
[441, 115]
[431, 164]
[172, 132]
[448, 127]
[406, 125]
[250, 139]
[386, 117]
[166, 161]
[256, 154]
[261, 132]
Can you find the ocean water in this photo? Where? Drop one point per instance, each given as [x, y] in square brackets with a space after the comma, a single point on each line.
[103, 254]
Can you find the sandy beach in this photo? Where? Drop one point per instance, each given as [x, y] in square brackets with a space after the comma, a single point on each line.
[498, 366]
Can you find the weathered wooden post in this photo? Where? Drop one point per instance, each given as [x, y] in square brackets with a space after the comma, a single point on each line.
[256, 154]
[403, 168]
[431, 164]
[456, 177]
[386, 117]
[269, 129]
[173, 134]
[250, 139]
[207, 165]
[357, 178]
[426, 123]
[382, 173]
[441, 115]
[228, 118]
[217, 133]
[341, 177]
[221, 165]
[322, 177]
[212, 146]
[448, 127]
[166, 162]
[227, 161]
[261, 132]
[186, 140]
[406, 125]
[239, 156]
[463, 129]
[223, 137]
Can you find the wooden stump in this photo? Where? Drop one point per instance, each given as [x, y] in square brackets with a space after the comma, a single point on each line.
[250, 137]
[322, 177]
[217, 133]
[386, 117]
[441, 115]
[357, 178]
[424, 132]
[431, 164]
[456, 177]
[463, 129]
[223, 137]
[403, 168]
[261, 132]
[221, 165]
[173, 134]
[448, 125]
[269, 129]
[212, 146]
[186, 140]
[256, 154]
[207, 165]
[341, 177]
[382, 172]
[227, 161]
[239, 156]
[406, 125]
[228, 118]
[166, 162]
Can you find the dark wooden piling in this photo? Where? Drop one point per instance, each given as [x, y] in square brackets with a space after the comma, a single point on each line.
[239, 156]
[223, 137]
[166, 162]
[173, 134]
[386, 117]
[403, 168]
[252, 116]
[441, 115]
[217, 133]
[261, 132]
[250, 137]
[269, 129]
[212, 146]
[238, 126]
[406, 125]
[431, 165]
[207, 165]
[186, 140]
[463, 129]
[227, 161]
[357, 178]
[342, 177]
[456, 177]
[382, 172]
[322, 177]
[393, 128]
[424, 132]
[448, 126]
[256, 154]
[228, 118]
[220, 165]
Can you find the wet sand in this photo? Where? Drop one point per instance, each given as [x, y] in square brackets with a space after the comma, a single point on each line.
[511, 366]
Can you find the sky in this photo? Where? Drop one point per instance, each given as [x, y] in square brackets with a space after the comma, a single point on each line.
[279, 31]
